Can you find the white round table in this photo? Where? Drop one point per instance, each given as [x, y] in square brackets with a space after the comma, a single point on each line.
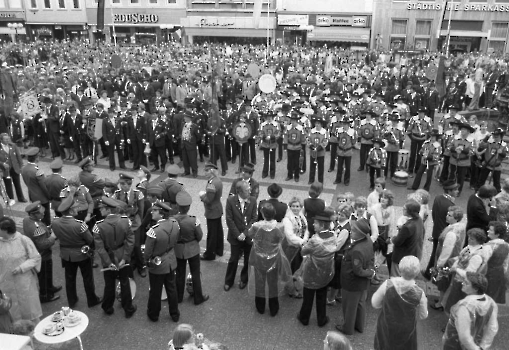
[68, 334]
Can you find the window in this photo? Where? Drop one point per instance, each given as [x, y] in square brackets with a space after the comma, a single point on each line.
[76, 4]
[135, 1]
[33, 4]
[61, 4]
[499, 30]
[397, 43]
[497, 46]
[423, 28]
[421, 44]
[115, 1]
[399, 26]
[152, 1]
[47, 4]
[172, 1]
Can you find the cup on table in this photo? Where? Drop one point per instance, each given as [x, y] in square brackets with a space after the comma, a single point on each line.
[66, 310]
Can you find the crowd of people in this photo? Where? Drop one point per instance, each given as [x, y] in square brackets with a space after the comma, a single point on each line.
[202, 102]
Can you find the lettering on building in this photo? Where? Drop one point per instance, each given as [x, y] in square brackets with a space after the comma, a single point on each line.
[458, 7]
[135, 18]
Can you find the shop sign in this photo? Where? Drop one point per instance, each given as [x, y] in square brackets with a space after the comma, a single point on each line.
[224, 22]
[135, 18]
[292, 20]
[44, 31]
[9, 15]
[350, 21]
[458, 7]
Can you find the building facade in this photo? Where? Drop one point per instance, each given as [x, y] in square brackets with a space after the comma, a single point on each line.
[474, 25]
[12, 20]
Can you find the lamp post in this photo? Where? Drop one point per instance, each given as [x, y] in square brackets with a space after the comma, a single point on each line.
[15, 26]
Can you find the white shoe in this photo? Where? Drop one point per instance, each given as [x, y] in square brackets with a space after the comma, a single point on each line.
[11, 202]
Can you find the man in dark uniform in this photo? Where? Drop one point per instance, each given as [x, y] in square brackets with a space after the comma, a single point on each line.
[34, 179]
[217, 143]
[246, 175]
[162, 262]
[294, 138]
[188, 249]
[91, 181]
[114, 243]
[171, 187]
[74, 236]
[190, 135]
[274, 192]
[55, 183]
[43, 240]
[137, 136]
[156, 135]
[112, 128]
[211, 199]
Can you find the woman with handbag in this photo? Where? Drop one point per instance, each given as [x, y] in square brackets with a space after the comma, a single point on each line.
[19, 264]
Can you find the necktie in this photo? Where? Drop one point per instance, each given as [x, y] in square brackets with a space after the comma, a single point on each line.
[134, 121]
[113, 121]
[126, 198]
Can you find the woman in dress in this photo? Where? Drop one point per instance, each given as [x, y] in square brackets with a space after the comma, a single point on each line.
[473, 320]
[470, 259]
[19, 263]
[497, 256]
[385, 217]
[449, 246]
[402, 303]
[267, 261]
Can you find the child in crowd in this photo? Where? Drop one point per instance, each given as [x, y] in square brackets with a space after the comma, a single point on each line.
[374, 196]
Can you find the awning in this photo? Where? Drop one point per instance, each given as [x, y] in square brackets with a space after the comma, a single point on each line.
[7, 30]
[359, 35]
[467, 33]
[233, 32]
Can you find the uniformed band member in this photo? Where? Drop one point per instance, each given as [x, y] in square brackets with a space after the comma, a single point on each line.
[430, 155]
[113, 138]
[377, 158]
[55, 183]
[43, 240]
[135, 203]
[317, 142]
[35, 182]
[246, 175]
[171, 187]
[162, 262]
[211, 199]
[217, 144]
[91, 181]
[447, 138]
[492, 152]
[335, 125]
[144, 176]
[190, 137]
[394, 135]
[368, 129]
[268, 135]
[346, 137]
[74, 236]
[114, 243]
[81, 196]
[187, 249]
[460, 149]
[418, 130]
[294, 137]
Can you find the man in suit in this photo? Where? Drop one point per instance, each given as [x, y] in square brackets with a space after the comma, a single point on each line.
[35, 181]
[241, 213]
[246, 175]
[274, 192]
[10, 158]
[190, 135]
[55, 183]
[53, 127]
[75, 130]
[111, 135]
[439, 212]
[137, 136]
[481, 208]
[156, 134]
[211, 199]
[431, 100]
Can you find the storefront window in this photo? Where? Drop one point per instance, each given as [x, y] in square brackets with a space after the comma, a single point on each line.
[76, 4]
[497, 46]
[33, 4]
[421, 44]
[499, 30]
[397, 43]
[399, 26]
[61, 4]
[47, 4]
[423, 28]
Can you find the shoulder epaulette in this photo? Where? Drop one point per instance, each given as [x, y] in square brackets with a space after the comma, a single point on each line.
[84, 227]
[39, 231]
[96, 228]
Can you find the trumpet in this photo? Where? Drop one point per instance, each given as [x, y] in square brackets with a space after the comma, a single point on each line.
[155, 261]
[87, 250]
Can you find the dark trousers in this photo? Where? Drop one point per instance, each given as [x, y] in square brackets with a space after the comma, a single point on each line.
[307, 305]
[363, 154]
[104, 148]
[190, 159]
[47, 217]
[431, 262]
[483, 176]
[111, 151]
[475, 172]
[137, 260]
[15, 179]
[392, 163]
[203, 148]
[270, 279]
[293, 163]
[154, 296]
[243, 153]
[458, 173]
[280, 148]
[312, 168]
[252, 150]
[269, 162]
[45, 277]
[347, 163]
[194, 267]
[77, 145]
[372, 171]
[444, 175]
[217, 151]
[231, 270]
[303, 169]
[169, 147]
[236, 149]
[418, 176]
[56, 149]
[354, 311]
[87, 146]
[138, 155]
[215, 239]
[415, 157]
[156, 153]
[333, 152]
[71, 270]
[228, 144]
[110, 278]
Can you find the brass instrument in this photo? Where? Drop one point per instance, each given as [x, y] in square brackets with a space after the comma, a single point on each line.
[87, 250]
[314, 151]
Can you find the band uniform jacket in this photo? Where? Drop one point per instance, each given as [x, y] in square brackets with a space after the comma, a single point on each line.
[294, 137]
[40, 234]
[334, 130]
[94, 184]
[136, 128]
[463, 157]
[217, 137]
[447, 139]
[188, 242]
[318, 140]
[494, 155]
[430, 99]
[35, 181]
[12, 158]
[393, 135]
[160, 241]
[270, 130]
[55, 183]
[239, 221]
[253, 185]
[75, 128]
[190, 135]
[431, 152]
[212, 198]
[171, 187]
[114, 239]
[419, 129]
[346, 141]
[73, 234]
[253, 119]
[82, 197]
[368, 130]
[135, 205]
[156, 132]
[112, 132]
[377, 158]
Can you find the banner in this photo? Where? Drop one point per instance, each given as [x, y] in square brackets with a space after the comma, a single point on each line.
[30, 105]
[100, 14]
[257, 13]
[431, 72]
[440, 81]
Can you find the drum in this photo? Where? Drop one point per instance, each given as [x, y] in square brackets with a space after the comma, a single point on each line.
[400, 178]
[403, 155]
[132, 283]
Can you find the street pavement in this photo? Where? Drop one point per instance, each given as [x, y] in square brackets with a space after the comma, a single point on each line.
[230, 317]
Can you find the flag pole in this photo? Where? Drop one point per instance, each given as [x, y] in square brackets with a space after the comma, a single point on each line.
[113, 24]
[268, 33]
[448, 40]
